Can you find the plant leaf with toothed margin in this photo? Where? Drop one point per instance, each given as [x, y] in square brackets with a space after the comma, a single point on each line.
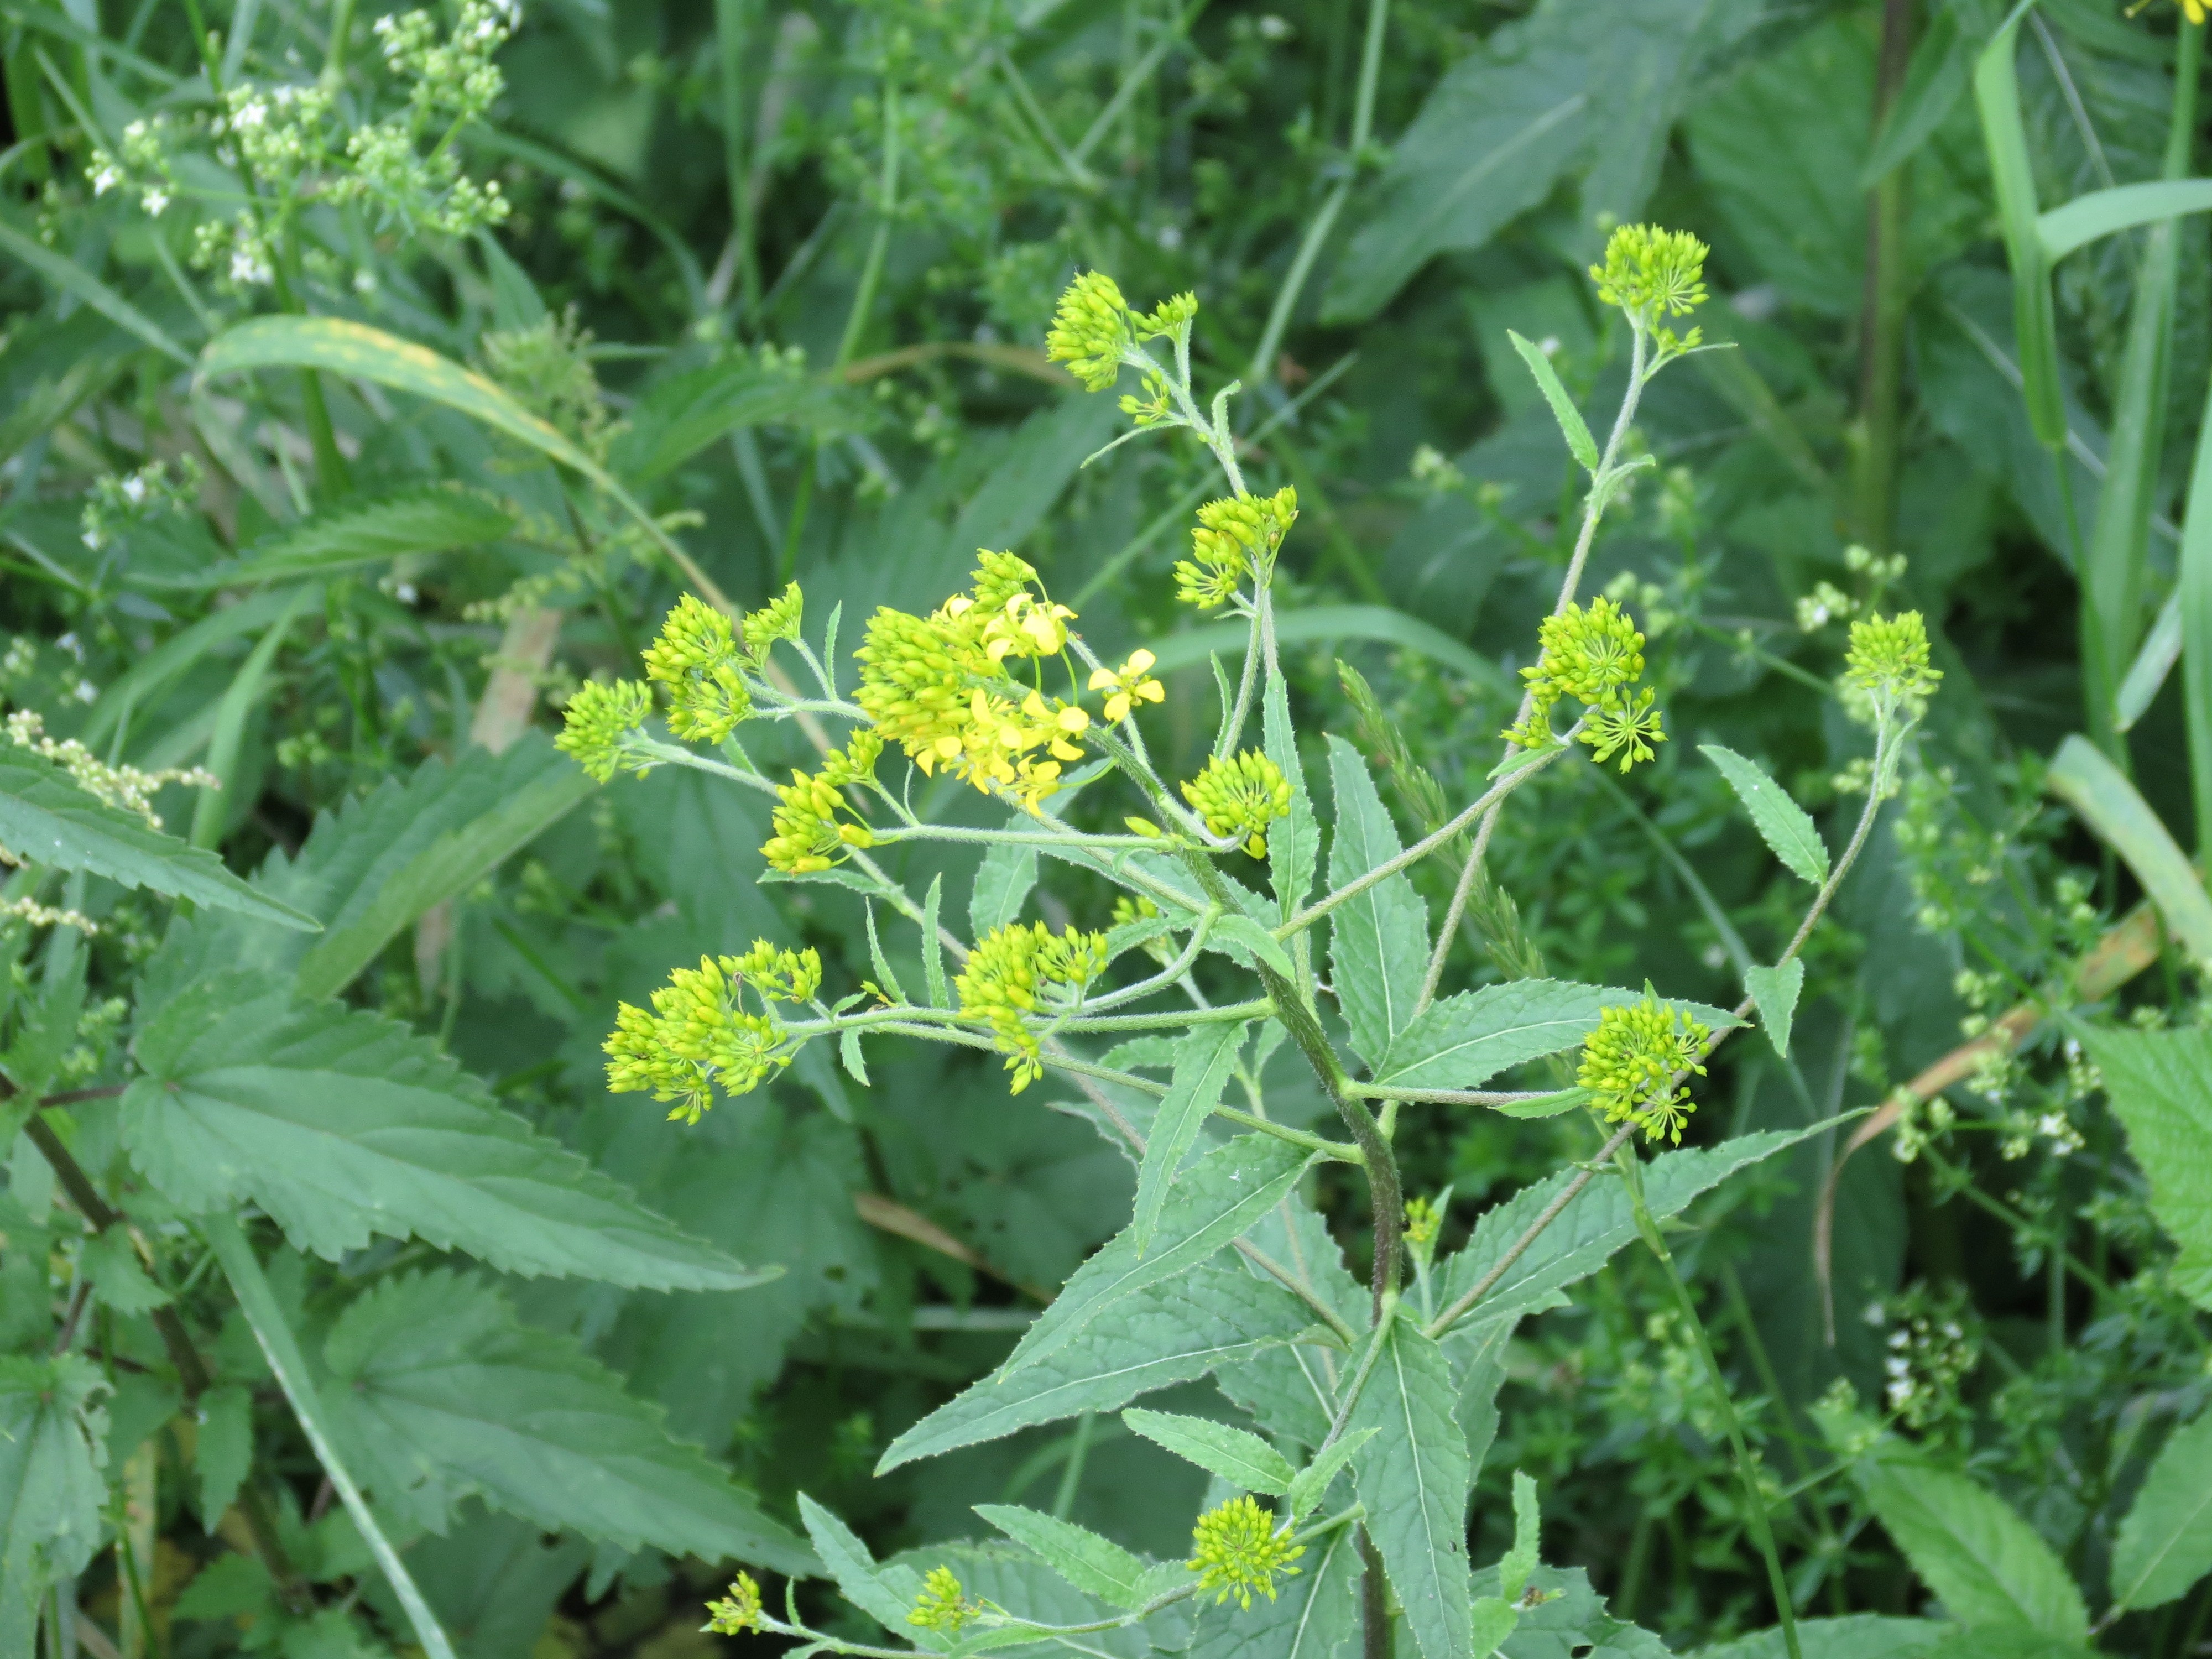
[1781, 823]
[1462, 1041]
[1776, 990]
[857, 1576]
[1413, 1478]
[1166, 1334]
[1241, 1458]
[51, 1490]
[2165, 1544]
[1572, 427]
[429, 520]
[1205, 1057]
[1003, 882]
[1214, 1202]
[1378, 940]
[1098, 1566]
[1294, 849]
[345, 1125]
[438, 1391]
[2161, 1086]
[46, 819]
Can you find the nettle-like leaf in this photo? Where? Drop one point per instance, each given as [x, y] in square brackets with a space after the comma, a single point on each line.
[428, 519]
[1860, 1636]
[1379, 939]
[1781, 823]
[46, 819]
[345, 1125]
[2165, 1545]
[51, 1490]
[1413, 1478]
[1463, 1041]
[1169, 1332]
[440, 1392]
[2160, 1084]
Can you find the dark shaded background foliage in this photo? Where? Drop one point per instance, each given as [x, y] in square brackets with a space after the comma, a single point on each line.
[692, 180]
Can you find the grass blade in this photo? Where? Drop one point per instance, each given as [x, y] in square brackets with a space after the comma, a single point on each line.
[2004, 133]
[2096, 789]
[2104, 212]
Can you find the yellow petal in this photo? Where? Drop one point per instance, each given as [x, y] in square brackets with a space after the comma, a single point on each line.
[1072, 718]
[1101, 678]
[1139, 661]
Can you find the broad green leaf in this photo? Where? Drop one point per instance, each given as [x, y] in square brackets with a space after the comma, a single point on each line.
[1572, 1619]
[1379, 939]
[1595, 1223]
[2086, 780]
[1466, 1039]
[857, 1575]
[1782, 824]
[2012, 173]
[1377, 623]
[2160, 1085]
[51, 1490]
[222, 1448]
[117, 1278]
[1204, 1060]
[355, 534]
[1491, 140]
[1572, 427]
[1413, 1478]
[680, 416]
[1169, 1333]
[142, 684]
[1214, 1203]
[1241, 1458]
[1096, 1566]
[1776, 990]
[2165, 1544]
[1310, 1484]
[345, 1125]
[2106, 212]
[1003, 882]
[1861, 1635]
[73, 279]
[46, 819]
[1314, 1615]
[1294, 850]
[438, 1392]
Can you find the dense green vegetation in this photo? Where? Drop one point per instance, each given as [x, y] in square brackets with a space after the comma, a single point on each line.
[398, 408]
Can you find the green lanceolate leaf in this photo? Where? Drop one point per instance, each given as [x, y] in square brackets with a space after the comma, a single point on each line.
[1775, 991]
[345, 1125]
[1169, 1333]
[1572, 424]
[48, 820]
[73, 279]
[441, 1393]
[680, 416]
[1253, 940]
[2165, 1544]
[2004, 135]
[1096, 1566]
[1214, 1203]
[1003, 882]
[1463, 1041]
[1314, 1615]
[1204, 1060]
[1378, 940]
[1294, 849]
[857, 1575]
[51, 1490]
[2086, 780]
[2102, 213]
[1781, 823]
[1310, 1484]
[1413, 1478]
[1989, 1566]
[1241, 1458]
[2161, 1084]
[357, 533]
[222, 1448]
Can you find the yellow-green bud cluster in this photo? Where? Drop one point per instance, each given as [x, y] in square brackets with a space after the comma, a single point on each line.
[1652, 274]
[809, 835]
[778, 619]
[1235, 1550]
[1234, 538]
[696, 659]
[699, 1035]
[598, 723]
[1630, 1063]
[1595, 656]
[1005, 979]
[780, 976]
[941, 1607]
[1422, 1220]
[739, 1611]
[1889, 662]
[1092, 330]
[940, 686]
[1240, 796]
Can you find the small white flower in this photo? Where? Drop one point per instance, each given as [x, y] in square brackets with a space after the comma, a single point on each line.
[154, 201]
[105, 178]
[134, 489]
[86, 691]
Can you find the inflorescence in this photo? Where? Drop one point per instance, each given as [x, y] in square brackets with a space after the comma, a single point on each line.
[1015, 971]
[1595, 656]
[1239, 797]
[1235, 1550]
[1651, 274]
[1631, 1060]
[700, 1033]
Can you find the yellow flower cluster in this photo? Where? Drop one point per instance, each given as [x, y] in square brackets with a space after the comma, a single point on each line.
[941, 1607]
[598, 722]
[1235, 537]
[699, 1035]
[1596, 656]
[1630, 1063]
[1094, 332]
[809, 835]
[1007, 976]
[1423, 1220]
[1240, 796]
[739, 1611]
[1889, 661]
[940, 686]
[1235, 1550]
[696, 659]
[1651, 273]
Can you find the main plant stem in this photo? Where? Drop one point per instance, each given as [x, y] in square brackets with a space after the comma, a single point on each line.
[1881, 313]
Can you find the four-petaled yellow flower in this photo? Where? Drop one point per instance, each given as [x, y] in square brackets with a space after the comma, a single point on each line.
[1127, 686]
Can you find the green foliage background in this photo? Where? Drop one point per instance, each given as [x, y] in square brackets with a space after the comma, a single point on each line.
[783, 273]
